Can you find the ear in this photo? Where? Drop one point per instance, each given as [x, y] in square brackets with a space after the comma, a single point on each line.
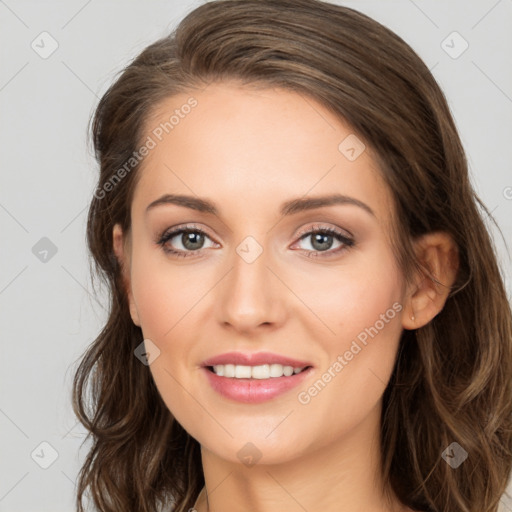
[123, 257]
[439, 257]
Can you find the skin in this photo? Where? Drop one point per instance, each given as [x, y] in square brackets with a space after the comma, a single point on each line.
[248, 151]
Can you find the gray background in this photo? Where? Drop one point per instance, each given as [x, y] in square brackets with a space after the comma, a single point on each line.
[48, 313]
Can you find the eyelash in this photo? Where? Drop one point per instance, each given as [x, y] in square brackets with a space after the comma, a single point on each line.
[168, 235]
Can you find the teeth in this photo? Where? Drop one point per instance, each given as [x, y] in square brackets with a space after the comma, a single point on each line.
[263, 371]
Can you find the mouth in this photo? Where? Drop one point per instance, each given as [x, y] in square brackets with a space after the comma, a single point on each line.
[254, 384]
[254, 377]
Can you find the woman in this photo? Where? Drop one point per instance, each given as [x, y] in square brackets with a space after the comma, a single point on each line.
[306, 307]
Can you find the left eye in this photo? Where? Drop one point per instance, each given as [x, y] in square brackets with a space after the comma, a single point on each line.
[192, 240]
[322, 240]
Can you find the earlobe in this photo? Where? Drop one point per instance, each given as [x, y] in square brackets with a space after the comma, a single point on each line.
[123, 257]
[438, 255]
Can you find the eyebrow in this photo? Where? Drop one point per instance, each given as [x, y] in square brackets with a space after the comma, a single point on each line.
[290, 207]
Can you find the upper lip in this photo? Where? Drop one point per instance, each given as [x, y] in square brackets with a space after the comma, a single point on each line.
[254, 359]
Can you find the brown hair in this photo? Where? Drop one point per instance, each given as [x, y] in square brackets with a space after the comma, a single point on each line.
[452, 377]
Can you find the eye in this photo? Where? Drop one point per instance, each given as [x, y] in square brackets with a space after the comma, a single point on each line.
[192, 241]
[190, 238]
[322, 239]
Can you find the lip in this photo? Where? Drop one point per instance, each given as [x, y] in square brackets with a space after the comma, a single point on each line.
[254, 359]
[254, 391]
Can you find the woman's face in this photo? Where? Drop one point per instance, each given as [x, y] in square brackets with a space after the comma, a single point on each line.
[256, 274]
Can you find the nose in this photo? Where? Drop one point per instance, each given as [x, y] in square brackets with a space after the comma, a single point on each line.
[251, 296]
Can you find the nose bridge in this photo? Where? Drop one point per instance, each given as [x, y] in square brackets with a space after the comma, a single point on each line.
[248, 297]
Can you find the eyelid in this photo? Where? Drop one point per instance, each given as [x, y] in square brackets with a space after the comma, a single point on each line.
[303, 231]
[322, 227]
[183, 227]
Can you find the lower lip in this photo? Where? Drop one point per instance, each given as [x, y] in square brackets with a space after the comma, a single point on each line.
[254, 391]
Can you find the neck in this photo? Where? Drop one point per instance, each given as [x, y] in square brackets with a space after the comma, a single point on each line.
[339, 476]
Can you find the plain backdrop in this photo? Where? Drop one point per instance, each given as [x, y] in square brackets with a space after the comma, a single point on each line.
[57, 59]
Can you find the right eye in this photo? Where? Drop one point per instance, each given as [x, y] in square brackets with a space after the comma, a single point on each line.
[190, 238]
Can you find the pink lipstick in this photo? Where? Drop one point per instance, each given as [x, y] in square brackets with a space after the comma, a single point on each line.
[254, 378]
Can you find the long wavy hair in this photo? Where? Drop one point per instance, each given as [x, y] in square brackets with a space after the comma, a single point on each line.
[452, 378]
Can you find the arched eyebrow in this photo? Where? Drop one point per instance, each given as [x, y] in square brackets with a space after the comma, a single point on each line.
[289, 207]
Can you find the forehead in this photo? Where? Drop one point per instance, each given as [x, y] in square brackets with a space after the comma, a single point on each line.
[262, 145]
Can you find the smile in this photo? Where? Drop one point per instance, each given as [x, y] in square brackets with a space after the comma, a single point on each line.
[272, 381]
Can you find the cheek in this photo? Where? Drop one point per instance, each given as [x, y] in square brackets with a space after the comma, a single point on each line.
[362, 308]
[164, 295]
[165, 299]
[371, 300]
[369, 322]
[168, 303]
[346, 300]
